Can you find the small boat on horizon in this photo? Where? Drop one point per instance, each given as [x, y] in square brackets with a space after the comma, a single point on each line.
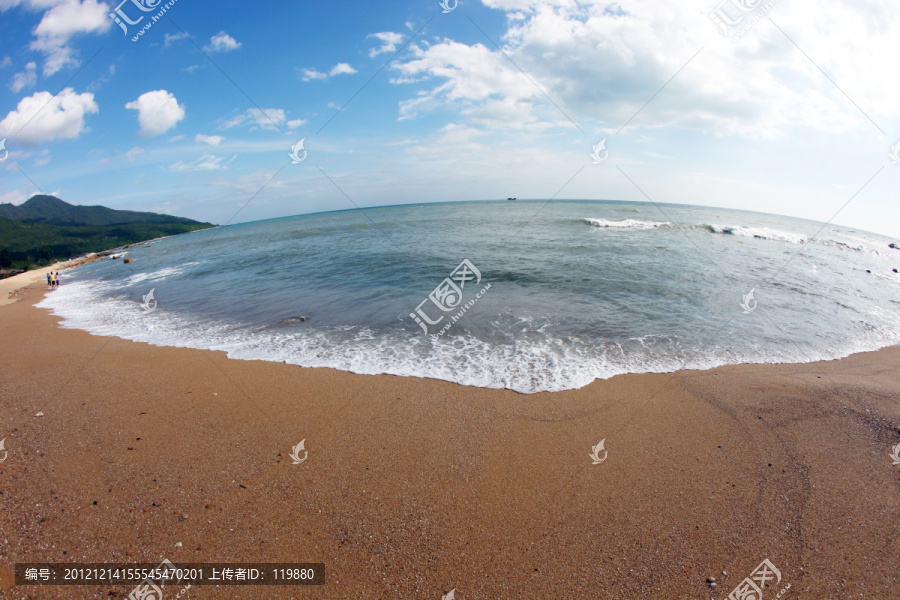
[510, 199]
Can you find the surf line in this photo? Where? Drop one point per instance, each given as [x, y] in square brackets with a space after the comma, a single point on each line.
[462, 311]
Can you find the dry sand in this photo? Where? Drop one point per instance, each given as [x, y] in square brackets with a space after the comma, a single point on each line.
[414, 487]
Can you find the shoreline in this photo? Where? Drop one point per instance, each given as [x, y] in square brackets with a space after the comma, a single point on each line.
[185, 343]
[10, 286]
[414, 487]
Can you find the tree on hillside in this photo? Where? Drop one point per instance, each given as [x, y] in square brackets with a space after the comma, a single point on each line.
[5, 259]
[44, 255]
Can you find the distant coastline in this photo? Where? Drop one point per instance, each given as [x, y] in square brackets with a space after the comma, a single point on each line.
[45, 229]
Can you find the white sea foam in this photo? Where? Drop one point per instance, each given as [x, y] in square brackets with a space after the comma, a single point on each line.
[624, 224]
[858, 247]
[160, 273]
[763, 233]
[548, 364]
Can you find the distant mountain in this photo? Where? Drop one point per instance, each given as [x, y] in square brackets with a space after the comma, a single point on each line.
[45, 228]
[53, 211]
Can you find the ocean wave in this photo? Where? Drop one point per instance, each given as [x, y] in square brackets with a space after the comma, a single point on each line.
[762, 233]
[549, 363]
[850, 247]
[160, 273]
[624, 224]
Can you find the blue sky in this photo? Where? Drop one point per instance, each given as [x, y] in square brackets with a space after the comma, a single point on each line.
[792, 110]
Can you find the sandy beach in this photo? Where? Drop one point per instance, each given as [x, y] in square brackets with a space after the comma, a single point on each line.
[11, 288]
[415, 487]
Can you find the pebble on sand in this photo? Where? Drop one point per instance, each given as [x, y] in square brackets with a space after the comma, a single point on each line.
[40, 414]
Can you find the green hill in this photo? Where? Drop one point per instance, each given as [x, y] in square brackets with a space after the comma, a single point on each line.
[44, 229]
[53, 211]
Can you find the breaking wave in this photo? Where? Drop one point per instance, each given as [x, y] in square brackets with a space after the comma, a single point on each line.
[624, 224]
[762, 233]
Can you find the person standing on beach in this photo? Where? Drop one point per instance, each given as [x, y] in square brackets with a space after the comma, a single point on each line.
[57, 280]
[49, 281]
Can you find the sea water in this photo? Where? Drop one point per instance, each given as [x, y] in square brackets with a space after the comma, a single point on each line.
[570, 291]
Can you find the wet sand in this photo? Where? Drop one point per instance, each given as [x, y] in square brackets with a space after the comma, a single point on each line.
[413, 487]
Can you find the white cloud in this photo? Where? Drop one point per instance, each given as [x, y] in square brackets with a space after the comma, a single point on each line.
[171, 38]
[26, 78]
[158, 112]
[14, 197]
[310, 74]
[479, 82]
[132, 154]
[63, 20]
[204, 163]
[389, 41]
[341, 69]
[601, 63]
[222, 42]
[267, 118]
[43, 158]
[7, 61]
[48, 117]
[338, 69]
[212, 140]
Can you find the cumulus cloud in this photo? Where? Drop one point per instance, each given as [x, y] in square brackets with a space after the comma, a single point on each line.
[341, 69]
[338, 69]
[26, 78]
[212, 140]
[62, 20]
[479, 82]
[42, 117]
[222, 42]
[600, 63]
[389, 42]
[158, 112]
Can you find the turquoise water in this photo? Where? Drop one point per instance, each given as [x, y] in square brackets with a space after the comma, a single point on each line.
[565, 291]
